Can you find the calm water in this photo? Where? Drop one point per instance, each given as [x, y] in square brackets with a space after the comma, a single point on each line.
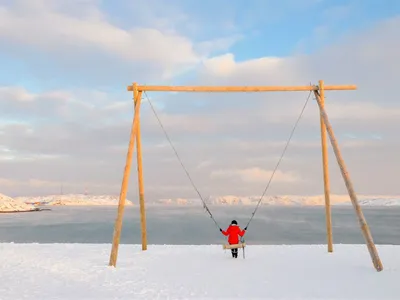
[191, 225]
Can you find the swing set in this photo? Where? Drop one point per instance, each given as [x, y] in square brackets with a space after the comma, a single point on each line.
[319, 93]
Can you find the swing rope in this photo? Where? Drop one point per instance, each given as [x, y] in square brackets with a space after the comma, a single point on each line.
[190, 179]
[177, 155]
[280, 159]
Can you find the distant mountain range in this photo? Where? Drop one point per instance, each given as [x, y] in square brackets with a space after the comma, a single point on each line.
[288, 200]
[21, 204]
[281, 200]
[72, 199]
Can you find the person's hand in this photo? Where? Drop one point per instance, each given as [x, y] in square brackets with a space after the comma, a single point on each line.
[220, 229]
[245, 228]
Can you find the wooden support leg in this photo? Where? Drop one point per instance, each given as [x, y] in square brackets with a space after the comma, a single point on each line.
[324, 145]
[140, 179]
[124, 185]
[349, 185]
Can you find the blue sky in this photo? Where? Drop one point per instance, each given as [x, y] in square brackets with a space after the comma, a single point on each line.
[306, 30]
[66, 65]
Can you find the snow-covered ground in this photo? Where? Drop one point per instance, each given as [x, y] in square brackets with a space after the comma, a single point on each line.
[73, 199]
[8, 204]
[78, 271]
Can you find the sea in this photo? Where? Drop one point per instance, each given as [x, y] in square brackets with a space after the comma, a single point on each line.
[192, 225]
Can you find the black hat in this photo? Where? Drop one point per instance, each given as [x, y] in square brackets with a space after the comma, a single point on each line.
[234, 222]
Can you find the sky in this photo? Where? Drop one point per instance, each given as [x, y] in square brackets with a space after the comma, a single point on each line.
[66, 113]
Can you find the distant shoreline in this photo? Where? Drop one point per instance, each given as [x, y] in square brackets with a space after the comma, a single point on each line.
[38, 203]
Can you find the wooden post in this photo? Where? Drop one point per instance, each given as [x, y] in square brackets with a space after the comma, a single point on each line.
[325, 168]
[361, 219]
[124, 185]
[140, 177]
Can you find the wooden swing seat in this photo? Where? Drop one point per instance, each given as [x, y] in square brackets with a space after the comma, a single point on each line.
[233, 246]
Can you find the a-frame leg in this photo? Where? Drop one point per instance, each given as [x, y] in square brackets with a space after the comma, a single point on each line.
[138, 95]
[345, 174]
[325, 169]
[124, 185]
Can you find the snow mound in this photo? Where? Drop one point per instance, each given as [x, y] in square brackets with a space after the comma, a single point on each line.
[8, 204]
[73, 199]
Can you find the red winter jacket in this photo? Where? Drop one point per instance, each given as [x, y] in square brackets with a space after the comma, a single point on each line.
[233, 231]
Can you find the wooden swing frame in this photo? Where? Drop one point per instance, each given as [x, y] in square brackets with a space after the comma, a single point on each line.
[319, 92]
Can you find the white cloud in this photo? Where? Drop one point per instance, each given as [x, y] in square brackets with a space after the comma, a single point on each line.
[270, 69]
[5, 182]
[47, 184]
[18, 103]
[221, 65]
[63, 30]
[53, 31]
[358, 111]
[256, 175]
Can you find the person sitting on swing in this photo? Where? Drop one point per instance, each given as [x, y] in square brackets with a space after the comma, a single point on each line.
[233, 231]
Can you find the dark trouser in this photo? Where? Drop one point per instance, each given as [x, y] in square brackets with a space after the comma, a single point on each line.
[234, 252]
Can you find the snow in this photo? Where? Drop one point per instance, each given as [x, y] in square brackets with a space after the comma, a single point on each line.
[29, 203]
[8, 204]
[280, 200]
[287, 200]
[73, 199]
[81, 271]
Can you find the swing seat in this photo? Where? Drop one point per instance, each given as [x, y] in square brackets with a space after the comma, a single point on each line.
[233, 246]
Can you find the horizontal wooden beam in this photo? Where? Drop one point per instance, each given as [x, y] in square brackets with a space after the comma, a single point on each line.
[161, 88]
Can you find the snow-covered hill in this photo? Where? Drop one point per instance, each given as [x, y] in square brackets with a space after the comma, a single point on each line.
[287, 200]
[73, 199]
[8, 204]
[28, 202]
